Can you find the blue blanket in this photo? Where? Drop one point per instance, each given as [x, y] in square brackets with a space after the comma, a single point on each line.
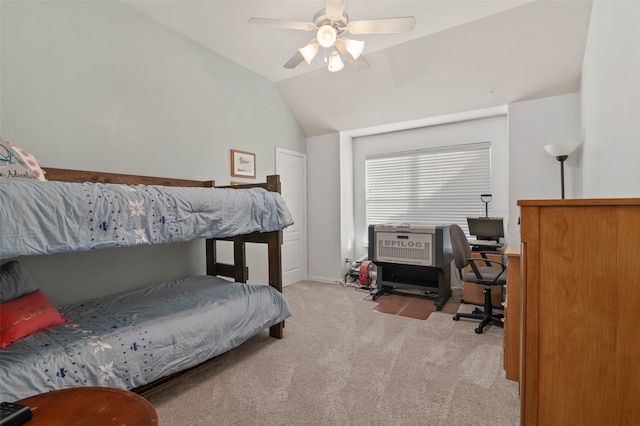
[55, 217]
[133, 338]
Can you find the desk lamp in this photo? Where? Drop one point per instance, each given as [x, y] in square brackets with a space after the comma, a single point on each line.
[561, 151]
[486, 199]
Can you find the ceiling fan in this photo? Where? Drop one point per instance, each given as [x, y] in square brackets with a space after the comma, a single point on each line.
[331, 25]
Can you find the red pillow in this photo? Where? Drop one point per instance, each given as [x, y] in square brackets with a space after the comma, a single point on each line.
[26, 315]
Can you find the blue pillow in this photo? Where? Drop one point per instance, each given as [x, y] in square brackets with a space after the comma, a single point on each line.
[14, 281]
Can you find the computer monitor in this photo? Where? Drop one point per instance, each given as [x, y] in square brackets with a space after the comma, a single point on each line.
[486, 228]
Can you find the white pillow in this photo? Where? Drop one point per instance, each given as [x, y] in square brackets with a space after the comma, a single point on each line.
[18, 164]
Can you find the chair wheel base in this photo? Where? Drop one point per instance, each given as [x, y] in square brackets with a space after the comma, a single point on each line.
[492, 319]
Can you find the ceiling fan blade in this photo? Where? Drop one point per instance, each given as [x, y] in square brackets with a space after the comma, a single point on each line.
[359, 64]
[278, 23]
[294, 61]
[333, 9]
[385, 25]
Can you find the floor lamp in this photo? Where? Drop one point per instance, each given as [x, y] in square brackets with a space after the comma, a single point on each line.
[561, 151]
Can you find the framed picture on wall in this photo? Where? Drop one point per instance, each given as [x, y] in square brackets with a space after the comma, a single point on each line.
[243, 164]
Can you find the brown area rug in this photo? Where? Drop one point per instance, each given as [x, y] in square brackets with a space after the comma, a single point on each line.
[414, 306]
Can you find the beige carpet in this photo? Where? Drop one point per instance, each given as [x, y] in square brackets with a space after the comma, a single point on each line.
[342, 363]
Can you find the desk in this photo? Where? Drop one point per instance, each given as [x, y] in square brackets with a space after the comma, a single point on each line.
[91, 406]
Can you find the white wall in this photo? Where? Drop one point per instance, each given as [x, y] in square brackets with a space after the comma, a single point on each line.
[534, 174]
[346, 202]
[330, 205]
[611, 101]
[97, 86]
[324, 197]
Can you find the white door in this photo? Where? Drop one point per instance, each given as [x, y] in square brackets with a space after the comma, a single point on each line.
[292, 168]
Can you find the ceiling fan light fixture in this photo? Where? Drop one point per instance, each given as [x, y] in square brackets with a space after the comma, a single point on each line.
[327, 35]
[331, 26]
[335, 63]
[354, 47]
[309, 51]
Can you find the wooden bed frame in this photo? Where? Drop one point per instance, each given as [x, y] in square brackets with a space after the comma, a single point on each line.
[238, 271]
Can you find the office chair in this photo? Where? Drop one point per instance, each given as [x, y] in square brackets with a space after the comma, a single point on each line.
[484, 271]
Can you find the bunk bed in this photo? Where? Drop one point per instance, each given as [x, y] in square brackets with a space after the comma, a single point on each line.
[135, 339]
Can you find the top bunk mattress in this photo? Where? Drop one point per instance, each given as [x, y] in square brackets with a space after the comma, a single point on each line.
[55, 217]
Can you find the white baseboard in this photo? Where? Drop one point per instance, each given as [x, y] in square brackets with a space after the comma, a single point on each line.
[324, 279]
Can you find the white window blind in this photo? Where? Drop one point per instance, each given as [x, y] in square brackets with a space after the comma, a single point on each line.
[428, 187]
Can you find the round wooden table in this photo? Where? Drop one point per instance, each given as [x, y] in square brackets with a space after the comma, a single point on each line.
[95, 406]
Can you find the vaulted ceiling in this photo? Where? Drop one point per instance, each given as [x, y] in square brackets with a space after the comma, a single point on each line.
[462, 55]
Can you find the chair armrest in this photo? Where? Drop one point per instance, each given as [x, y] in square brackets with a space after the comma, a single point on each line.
[483, 254]
[488, 262]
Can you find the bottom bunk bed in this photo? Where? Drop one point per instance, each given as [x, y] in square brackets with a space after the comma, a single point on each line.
[137, 338]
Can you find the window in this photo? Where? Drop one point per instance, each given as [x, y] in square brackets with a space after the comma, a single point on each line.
[428, 187]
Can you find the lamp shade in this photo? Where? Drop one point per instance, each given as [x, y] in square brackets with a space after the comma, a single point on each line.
[309, 51]
[327, 35]
[335, 63]
[560, 149]
[355, 48]
[561, 152]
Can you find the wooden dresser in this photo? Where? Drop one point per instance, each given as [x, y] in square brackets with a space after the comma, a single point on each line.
[512, 315]
[580, 298]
